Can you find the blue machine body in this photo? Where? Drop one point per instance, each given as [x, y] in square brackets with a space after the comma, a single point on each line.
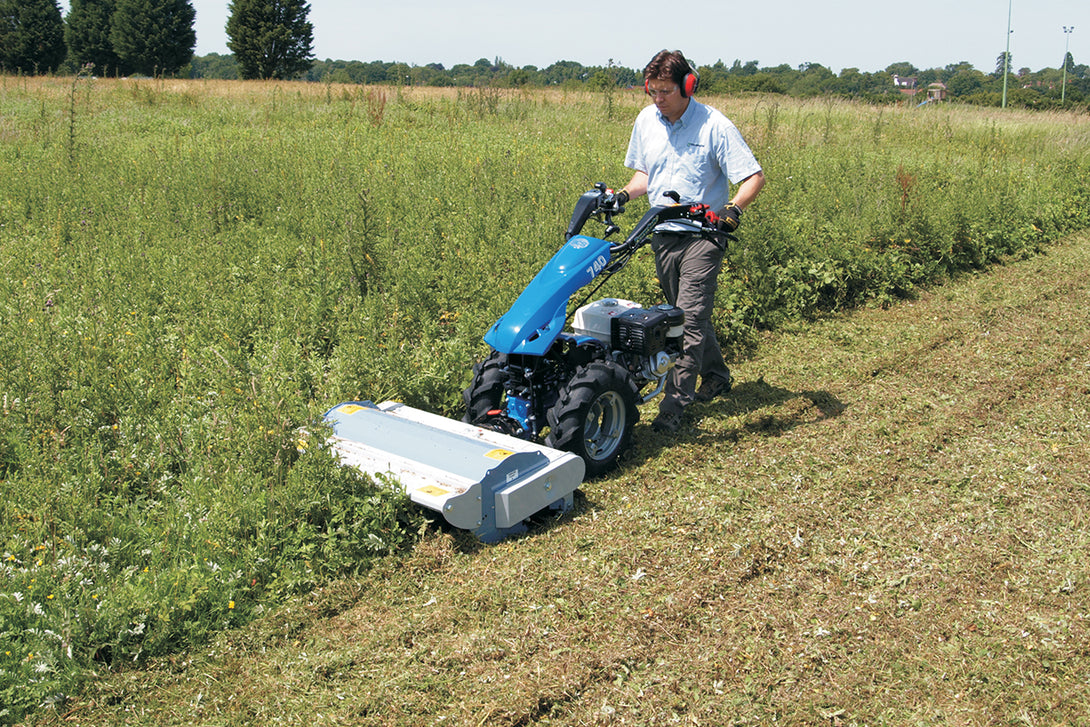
[537, 316]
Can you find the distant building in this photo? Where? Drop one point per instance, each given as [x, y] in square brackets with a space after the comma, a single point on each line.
[936, 91]
[905, 84]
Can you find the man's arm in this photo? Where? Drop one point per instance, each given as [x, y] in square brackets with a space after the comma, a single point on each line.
[637, 186]
[731, 215]
[747, 191]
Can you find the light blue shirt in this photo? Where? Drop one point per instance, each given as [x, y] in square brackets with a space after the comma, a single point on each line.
[698, 156]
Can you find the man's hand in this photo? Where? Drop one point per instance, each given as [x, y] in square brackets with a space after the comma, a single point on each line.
[729, 218]
[725, 221]
[615, 202]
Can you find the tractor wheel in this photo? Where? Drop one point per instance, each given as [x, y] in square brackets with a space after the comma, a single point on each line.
[485, 391]
[595, 415]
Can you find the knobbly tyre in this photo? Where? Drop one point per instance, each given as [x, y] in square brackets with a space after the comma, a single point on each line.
[581, 388]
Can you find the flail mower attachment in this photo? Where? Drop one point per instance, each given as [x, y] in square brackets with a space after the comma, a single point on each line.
[480, 480]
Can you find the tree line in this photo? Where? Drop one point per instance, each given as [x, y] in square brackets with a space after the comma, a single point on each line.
[269, 38]
[963, 82]
[273, 39]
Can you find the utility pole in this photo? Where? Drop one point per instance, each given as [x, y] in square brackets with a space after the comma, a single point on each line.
[1067, 46]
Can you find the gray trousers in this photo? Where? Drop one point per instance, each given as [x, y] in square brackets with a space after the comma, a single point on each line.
[688, 268]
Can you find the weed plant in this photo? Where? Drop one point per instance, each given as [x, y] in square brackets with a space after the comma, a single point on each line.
[194, 271]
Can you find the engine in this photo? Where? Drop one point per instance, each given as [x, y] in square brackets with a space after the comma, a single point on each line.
[647, 341]
[651, 337]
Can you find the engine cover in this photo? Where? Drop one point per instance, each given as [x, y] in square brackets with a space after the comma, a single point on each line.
[648, 332]
[596, 319]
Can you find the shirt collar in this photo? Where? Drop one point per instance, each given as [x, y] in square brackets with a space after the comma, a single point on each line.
[686, 115]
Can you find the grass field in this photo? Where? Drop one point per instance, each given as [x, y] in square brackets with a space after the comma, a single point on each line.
[882, 525]
[885, 524]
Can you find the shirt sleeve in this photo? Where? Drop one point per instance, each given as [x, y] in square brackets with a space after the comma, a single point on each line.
[635, 157]
[735, 156]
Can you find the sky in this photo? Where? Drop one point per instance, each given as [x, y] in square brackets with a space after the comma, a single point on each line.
[866, 34]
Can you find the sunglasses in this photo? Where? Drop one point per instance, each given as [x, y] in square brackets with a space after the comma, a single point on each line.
[660, 92]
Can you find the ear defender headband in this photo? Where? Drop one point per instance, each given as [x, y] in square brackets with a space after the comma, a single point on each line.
[689, 83]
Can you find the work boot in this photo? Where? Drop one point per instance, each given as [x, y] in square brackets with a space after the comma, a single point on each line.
[667, 422]
[712, 387]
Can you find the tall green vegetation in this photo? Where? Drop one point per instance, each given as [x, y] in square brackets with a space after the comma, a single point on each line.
[153, 37]
[31, 36]
[271, 39]
[193, 273]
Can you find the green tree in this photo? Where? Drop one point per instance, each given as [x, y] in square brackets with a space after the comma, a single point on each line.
[214, 65]
[271, 38]
[375, 72]
[87, 33]
[852, 81]
[31, 36]
[563, 71]
[902, 68]
[519, 78]
[814, 79]
[958, 67]
[153, 37]
[400, 74]
[1069, 62]
[965, 82]
[601, 80]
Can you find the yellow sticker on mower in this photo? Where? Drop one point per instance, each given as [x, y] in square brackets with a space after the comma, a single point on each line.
[350, 408]
[499, 454]
[433, 491]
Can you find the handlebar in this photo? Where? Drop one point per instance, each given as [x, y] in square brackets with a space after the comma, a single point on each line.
[701, 214]
[600, 203]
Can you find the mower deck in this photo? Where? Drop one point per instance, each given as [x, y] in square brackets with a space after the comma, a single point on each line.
[480, 480]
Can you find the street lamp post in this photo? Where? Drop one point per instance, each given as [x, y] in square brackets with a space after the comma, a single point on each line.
[1007, 54]
[1067, 46]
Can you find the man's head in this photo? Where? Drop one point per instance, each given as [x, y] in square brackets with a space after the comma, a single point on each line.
[669, 80]
[672, 66]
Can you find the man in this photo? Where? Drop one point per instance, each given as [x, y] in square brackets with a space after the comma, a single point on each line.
[681, 145]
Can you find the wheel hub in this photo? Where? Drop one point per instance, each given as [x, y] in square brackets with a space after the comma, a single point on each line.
[604, 425]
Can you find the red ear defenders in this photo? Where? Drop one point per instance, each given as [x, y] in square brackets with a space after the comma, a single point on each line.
[689, 84]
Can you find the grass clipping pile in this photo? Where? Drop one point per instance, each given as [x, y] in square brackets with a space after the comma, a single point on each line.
[884, 524]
